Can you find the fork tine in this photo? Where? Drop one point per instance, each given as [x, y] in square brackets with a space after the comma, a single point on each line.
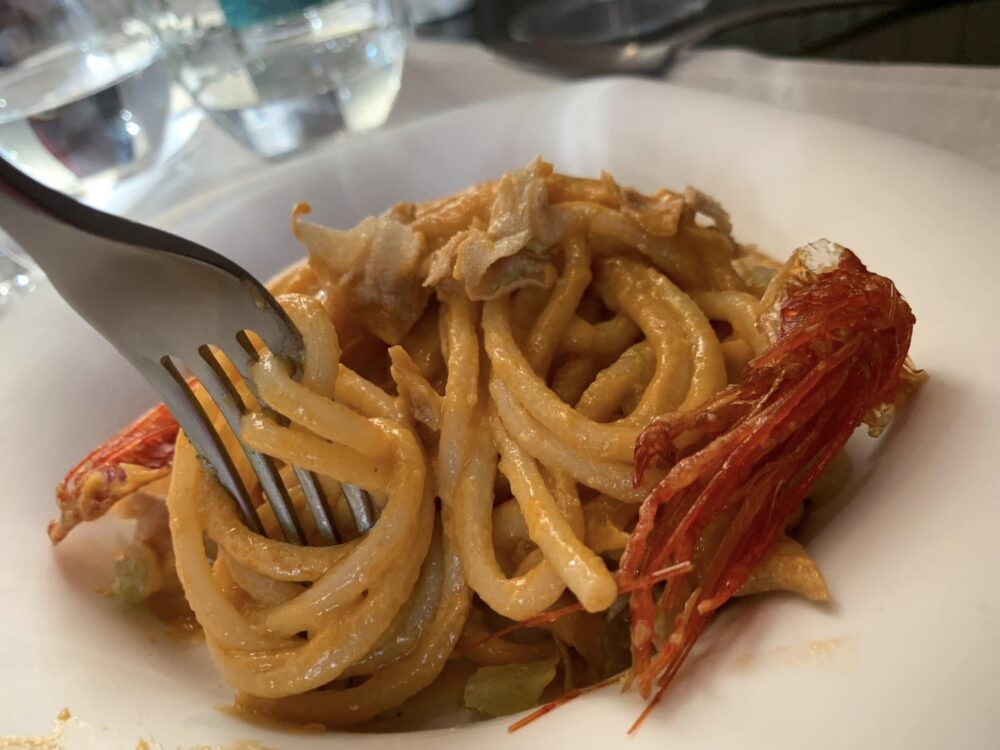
[243, 356]
[198, 427]
[359, 503]
[218, 385]
[317, 501]
[358, 500]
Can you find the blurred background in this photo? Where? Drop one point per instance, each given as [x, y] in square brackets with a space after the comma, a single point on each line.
[918, 32]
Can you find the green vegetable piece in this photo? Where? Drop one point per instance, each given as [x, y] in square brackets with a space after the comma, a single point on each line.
[507, 278]
[499, 691]
[131, 584]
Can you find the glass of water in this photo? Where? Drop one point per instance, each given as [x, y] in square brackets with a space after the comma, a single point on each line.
[282, 75]
[84, 92]
[84, 101]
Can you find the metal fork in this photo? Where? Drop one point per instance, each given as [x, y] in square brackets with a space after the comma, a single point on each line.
[166, 303]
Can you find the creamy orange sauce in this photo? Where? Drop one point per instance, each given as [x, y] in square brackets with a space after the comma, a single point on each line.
[267, 723]
[836, 653]
[52, 741]
[239, 745]
[49, 742]
[55, 739]
[171, 610]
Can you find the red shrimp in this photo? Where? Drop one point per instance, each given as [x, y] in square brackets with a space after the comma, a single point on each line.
[139, 454]
[838, 357]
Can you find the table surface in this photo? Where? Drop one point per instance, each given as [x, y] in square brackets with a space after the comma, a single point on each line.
[955, 108]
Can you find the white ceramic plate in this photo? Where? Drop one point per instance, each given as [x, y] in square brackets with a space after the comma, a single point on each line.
[904, 657]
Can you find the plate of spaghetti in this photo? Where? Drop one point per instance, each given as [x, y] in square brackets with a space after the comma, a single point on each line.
[655, 443]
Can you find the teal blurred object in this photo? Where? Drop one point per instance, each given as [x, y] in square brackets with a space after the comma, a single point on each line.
[242, 13]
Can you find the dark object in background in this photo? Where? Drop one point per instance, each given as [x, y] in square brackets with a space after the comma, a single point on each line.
[599, 20]
[941, 32]
[654, 53]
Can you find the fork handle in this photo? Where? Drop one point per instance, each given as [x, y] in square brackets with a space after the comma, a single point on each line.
[31, 214]
[20, 193]
[48, 207]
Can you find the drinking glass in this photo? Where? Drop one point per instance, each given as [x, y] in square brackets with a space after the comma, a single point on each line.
[84, 91]
[84, 101]
[283, 75]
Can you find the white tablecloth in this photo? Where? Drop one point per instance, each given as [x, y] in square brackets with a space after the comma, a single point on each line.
[956, 108]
